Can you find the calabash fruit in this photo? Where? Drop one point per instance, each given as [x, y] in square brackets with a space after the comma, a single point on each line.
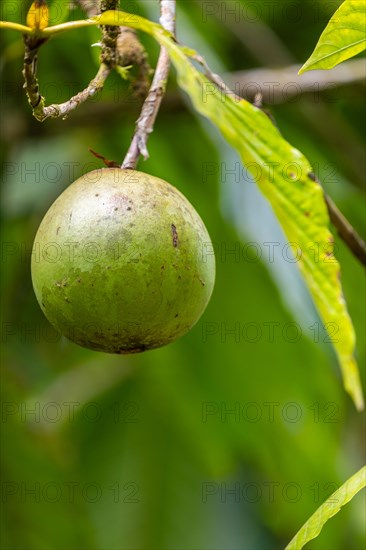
[122, 262]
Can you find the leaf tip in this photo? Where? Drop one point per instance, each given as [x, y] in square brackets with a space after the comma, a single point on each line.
[352, 383]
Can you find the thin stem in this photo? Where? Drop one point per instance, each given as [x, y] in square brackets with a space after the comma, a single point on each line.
[40, 111]
[95, 85]
[215, 78]
[150, 108]
[345, 230]
[35, 99]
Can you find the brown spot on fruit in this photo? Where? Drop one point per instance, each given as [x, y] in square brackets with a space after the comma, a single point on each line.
[174, 235]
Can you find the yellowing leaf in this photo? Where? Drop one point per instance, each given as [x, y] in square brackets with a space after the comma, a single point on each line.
[37, 16]
[311, 529]
[344, 37]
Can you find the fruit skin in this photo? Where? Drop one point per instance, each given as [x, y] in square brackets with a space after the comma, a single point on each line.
[122, 262]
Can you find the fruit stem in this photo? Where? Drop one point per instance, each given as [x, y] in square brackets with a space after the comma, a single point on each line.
[151, 106]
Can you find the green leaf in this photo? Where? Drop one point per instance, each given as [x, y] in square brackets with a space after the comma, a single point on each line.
[282, 173]
[311, 529]
[344, 37]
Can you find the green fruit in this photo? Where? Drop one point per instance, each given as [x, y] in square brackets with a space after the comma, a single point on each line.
[122, 262]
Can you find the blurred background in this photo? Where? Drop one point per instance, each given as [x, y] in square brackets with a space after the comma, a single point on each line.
[231, 437]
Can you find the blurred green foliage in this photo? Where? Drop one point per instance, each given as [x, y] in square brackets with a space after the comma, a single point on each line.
[141, 452]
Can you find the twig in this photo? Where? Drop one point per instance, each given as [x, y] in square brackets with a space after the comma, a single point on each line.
[31, 85]
[95, 85]
[110, 34]
[150, 108]
[35, 99]
[345, 230]
[215, 78]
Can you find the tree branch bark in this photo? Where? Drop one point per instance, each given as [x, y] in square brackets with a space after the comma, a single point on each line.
[345, 230]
